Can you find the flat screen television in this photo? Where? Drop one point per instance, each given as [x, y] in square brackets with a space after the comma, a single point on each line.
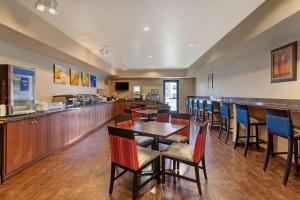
[122, 86]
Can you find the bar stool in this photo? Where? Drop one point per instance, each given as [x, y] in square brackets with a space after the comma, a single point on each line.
[212, 112]
[242, 117]
[225, 116]
[202, 109]
[190, 106]
[187, 105]
[279, 123]
[195, 108]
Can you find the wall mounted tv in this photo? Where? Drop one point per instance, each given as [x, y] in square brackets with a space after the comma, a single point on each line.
[122, 86]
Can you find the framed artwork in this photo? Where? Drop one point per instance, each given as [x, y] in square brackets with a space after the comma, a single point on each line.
[210, 81]
[75, 77]
[284, 63]
[85, 79]
[61, 75]
[93, 80]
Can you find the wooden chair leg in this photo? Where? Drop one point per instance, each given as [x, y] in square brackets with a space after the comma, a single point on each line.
[237, 135]
[221, 127]
[227, 129]
[288, 161]
[112, 178]
[198, 178]
[163, 169]
[257, 137]
[268, 151]
[204, 168]
[135, 185]
[247, 140]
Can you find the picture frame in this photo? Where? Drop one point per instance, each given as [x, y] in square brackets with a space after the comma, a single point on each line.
[60, 74]
[284, 63]
[93, 80]
[85, 79]
[210, 80]
[74, 77]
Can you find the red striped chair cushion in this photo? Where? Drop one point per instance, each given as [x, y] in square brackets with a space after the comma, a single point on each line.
[199, 147]
[186, 131]
[124, 152]
[125, 124]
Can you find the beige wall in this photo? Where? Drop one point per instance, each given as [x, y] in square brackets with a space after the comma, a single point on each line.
[45, 87]
[186, 87]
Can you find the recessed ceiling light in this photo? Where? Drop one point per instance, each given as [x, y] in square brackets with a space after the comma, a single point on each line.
[52, 6]
[146, 28]
[40, 5]
[124, 68]
[191, 45]
[150, 56]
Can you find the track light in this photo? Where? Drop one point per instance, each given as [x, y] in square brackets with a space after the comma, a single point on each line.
[52, 6]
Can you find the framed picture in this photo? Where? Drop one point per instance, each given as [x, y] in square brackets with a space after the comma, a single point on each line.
[85, 79]
[61, 75]
[74, 77]
[284, 63]
[210, 81]
[93, 80]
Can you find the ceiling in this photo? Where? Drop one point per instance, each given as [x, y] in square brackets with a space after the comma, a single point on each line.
[179, 34]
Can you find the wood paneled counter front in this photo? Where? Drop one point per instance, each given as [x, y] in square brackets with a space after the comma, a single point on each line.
[33, 137]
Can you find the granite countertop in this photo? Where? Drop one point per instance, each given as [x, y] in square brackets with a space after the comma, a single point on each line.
[292, 105]
[42, 113]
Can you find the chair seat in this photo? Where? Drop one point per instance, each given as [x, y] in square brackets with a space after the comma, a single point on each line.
[296, 132]
[180, 151]
[144, 141]
[174, 138]
[254, 121]
[146, 155]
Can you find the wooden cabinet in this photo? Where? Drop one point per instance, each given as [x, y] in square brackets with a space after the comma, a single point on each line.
[21, 144]
[29, 140]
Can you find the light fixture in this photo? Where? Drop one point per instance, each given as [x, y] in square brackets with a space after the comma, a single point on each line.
[146, 29]
[191, 45]
[150, 56]
[52, 6]
[124, 68]
[104, 50]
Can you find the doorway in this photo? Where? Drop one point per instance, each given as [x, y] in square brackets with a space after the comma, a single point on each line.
[171, 94]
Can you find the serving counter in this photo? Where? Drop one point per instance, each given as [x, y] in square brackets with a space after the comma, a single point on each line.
[29, 138]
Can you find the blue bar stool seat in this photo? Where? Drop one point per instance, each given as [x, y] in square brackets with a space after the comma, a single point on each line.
[196, 109]
[225, 117]
[202, 110]
[243, 117]
[212, 111]
[279, 123]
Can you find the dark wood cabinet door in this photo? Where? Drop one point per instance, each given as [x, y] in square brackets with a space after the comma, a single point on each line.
[21, 144]
[43, 132]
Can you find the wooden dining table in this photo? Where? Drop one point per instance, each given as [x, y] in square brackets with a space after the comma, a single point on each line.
[156, 130]
[148, 112]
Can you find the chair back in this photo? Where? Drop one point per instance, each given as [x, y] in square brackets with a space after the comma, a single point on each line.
[190, 102]
[242, 114]
[135, 115]
[163, 115]
[202, 104]
[279, 123]
[123, 147]
[224, 110]
[124, 121]
[199, 148]
[196, 103]
[210, 106]
[182, 119]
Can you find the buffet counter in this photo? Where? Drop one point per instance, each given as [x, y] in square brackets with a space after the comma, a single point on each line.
[29, 138]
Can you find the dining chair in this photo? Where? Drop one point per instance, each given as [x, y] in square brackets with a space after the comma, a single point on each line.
[225, 117]
[181, 136]
[163, 115]
[213, 114]
[243, 117]
[188, 154]
[125, 121]
[135, 115]
[126, 155]
[279, 123]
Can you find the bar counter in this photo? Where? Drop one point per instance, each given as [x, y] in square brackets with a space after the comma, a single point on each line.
[282, 104]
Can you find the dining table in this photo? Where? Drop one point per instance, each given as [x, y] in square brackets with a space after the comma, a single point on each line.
[156, 130]
[149, 113]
